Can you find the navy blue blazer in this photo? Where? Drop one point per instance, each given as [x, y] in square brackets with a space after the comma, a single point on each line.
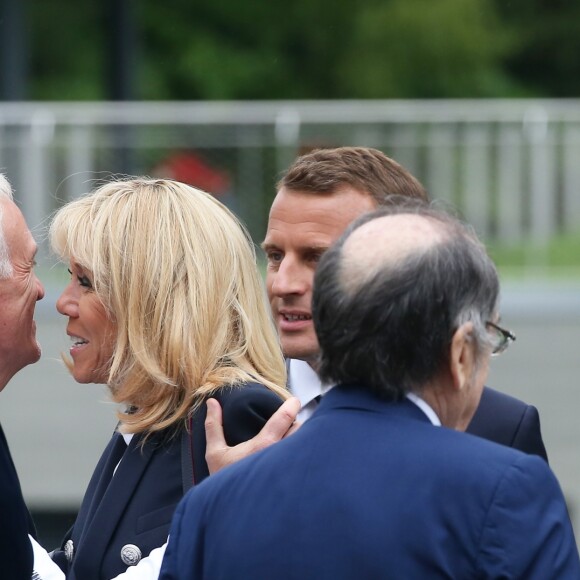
[15, 549]
[371, 489]
[504, 420]
[508, 421]
[136, 505]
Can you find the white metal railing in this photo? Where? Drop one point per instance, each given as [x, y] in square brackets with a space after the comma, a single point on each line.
[511, 166]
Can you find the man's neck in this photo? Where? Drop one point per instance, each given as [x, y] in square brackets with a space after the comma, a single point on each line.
[313, 366]
[443, 405]
[313, 363]
[425, 407]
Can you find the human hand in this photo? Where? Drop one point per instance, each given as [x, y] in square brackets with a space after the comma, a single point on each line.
[217, 453]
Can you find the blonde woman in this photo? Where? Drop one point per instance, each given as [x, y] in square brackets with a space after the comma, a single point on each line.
[165, 306]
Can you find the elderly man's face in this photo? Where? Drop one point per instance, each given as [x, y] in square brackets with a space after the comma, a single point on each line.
[18, 296]
[472, 394]
[302, 226]
[469, 367]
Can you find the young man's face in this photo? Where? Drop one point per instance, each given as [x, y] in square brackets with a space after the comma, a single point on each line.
[302, 226]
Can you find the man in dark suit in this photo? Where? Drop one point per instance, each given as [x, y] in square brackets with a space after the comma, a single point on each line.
[15, 548]
[379, 483]
[318, 197]
[19, 291]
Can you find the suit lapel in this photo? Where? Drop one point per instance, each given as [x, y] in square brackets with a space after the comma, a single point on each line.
[98, 485]
[105, 514]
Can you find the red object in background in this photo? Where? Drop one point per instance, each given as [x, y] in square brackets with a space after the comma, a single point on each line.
[191, 169]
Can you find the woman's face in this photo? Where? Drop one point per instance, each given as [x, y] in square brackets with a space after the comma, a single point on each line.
[90, 327]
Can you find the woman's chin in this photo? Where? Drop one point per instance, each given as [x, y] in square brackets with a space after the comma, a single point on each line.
[86, 378]
[81, 378]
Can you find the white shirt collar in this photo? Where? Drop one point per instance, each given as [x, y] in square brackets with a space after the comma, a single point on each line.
[127, 437]
[303, 381]
[425, 407]
[305, 384]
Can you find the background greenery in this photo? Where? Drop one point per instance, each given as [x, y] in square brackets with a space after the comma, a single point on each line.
[559, 259]
[313, 49]
[309, 49]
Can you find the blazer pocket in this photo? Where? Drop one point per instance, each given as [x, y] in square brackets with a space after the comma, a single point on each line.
[154, 519]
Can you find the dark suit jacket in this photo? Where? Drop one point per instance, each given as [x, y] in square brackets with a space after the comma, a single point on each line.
[504, 420]
[371, 489]
[15, 549]
[508, 421]
[136, 505]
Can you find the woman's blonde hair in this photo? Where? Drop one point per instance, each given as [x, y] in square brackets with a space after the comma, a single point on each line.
[177, 272]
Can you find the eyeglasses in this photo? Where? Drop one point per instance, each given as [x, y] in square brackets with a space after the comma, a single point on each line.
[502, 338]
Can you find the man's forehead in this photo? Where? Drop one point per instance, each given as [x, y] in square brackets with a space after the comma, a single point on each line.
[307, 237]
[318, 217]
[339, 196]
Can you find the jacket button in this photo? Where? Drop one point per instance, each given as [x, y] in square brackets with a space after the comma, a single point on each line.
[130, 554]
[69, 550]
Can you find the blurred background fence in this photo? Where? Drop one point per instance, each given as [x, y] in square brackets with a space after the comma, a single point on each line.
[510, 166]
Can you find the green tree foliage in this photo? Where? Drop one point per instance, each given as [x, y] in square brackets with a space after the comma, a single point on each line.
[67, 49]
[254, 50]
[312, 49]
[426, 49]
[325, 49]
[545, 55]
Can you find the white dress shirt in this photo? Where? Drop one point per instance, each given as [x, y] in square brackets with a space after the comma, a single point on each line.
[304, 384]
[425, 407]
[44, 567]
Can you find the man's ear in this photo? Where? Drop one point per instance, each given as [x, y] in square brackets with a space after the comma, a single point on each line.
[462, 356]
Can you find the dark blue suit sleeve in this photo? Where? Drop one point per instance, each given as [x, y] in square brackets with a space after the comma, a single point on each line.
[15, 549]
[527, 532]
[184, 556]
[508, 421]
[246, 409]
[528, 436]
[169, 565]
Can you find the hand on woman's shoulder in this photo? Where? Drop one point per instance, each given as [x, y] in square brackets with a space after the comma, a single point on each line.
[246, 409]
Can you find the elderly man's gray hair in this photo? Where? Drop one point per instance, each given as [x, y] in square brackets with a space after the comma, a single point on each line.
[5, 263]
[386, 305]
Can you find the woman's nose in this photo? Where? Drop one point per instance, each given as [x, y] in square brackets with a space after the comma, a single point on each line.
[67, 303]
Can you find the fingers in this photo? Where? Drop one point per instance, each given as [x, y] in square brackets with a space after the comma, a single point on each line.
[295, 426]
[217, 452]
[280, 423]
[214, 431]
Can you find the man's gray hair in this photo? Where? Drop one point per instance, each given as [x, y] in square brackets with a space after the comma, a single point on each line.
[393, 330]
[5, 263]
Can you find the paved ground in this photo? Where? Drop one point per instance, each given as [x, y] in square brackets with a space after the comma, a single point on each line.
[57, 428]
